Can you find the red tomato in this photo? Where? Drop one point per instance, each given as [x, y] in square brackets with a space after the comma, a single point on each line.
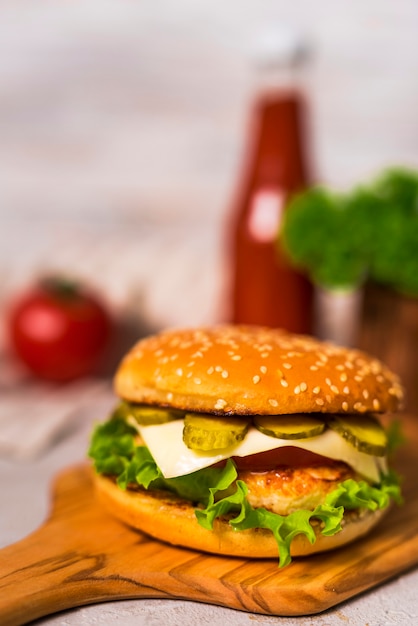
[288, 455]
[59, 330]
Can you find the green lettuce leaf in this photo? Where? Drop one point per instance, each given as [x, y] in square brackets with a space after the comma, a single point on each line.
[112, 446]
[220, 494]
[350, 494]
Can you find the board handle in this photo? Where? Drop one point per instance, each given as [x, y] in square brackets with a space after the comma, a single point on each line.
[40, 575]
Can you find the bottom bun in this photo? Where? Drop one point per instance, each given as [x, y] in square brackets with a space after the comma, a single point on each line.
[172, 520]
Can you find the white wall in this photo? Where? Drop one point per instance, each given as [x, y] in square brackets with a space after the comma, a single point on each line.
[110, 106]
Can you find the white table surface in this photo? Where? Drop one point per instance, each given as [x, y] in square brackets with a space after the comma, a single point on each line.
[24, 494]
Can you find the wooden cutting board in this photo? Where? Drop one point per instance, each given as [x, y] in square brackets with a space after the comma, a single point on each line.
[81, 555]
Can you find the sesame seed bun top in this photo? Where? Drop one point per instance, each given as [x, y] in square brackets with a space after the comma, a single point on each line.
[254, 370]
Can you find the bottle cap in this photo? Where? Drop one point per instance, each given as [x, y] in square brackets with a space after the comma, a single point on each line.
[280, 46]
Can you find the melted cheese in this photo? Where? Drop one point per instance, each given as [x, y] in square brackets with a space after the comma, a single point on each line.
[174, 458]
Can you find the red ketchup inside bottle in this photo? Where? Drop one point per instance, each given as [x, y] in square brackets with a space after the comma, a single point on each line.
[266, 290]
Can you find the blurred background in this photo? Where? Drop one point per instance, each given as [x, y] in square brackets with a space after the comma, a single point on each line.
[123, 128]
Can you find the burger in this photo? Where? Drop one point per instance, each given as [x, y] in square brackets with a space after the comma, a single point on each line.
[248, 441]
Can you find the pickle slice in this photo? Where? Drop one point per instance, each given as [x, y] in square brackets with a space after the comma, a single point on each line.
[298, 426]
[120, 411]
[206, 432]
[146, 415]
[364, 432]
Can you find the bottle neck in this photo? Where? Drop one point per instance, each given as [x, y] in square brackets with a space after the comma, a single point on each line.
[276, 156]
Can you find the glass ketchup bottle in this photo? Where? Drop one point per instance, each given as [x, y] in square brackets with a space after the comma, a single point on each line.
[265, 289]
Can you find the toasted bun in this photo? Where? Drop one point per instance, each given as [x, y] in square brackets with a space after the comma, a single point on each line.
[253, 370]
[169, 519]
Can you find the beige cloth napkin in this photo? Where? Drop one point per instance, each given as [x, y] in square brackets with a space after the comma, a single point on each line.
[33, 416]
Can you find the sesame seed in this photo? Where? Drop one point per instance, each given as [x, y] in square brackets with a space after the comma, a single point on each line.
[334, 389]
[339, 367]
[328, 398]
[225, 374]
[284, 383]
[346, 390]
[365, 394]
[358, 378]
[314, 368]
[319, 402]
[218, 368]
[169, 396]
[375, 367]
[287, 366]
[376, 404]
[303, 386]
[316, 390]
[197, 381]
[358, 406]
[264, 355]
[189, 374]
[343, 377]
[296, 390]
[220, 404]
[273, 402]
[256, 379]
[179, 372]
[263, 369]
[328, 381]
[236, 357]
[211, 370]
[345, 406]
